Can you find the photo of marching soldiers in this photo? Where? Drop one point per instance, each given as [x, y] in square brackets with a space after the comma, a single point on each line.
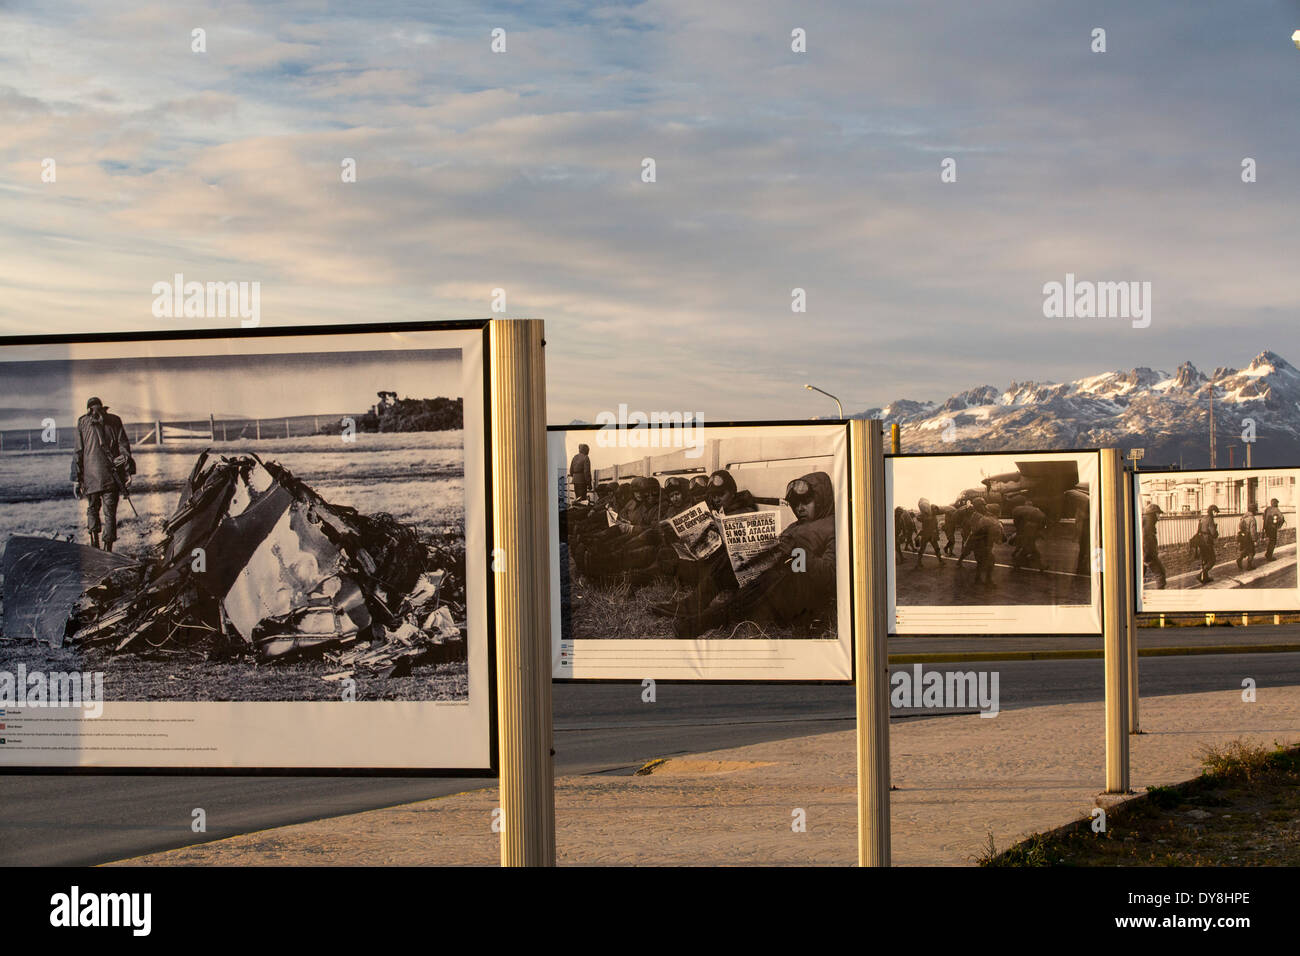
[734, 538]
[1216, 531]
[992, 530]
[237, 527]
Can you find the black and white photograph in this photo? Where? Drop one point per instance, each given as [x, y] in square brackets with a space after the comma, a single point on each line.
[264, 519]
[1220, 540]
[700, 550]
[984, 542]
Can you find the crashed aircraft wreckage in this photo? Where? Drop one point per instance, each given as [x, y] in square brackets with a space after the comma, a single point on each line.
[254, 560]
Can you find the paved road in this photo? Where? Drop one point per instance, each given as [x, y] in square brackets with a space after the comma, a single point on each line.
[602, 728]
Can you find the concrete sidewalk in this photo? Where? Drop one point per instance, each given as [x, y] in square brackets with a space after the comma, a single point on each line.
[959, 778]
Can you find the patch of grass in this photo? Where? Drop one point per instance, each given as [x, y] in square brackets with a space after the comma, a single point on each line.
[1243, 810]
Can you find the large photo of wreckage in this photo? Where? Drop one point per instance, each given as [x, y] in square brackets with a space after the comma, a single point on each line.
[287, 526]
[1001, 543]
[719, 551]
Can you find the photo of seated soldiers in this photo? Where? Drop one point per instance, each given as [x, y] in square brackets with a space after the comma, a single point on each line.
[639, 547]
[1273, 522]
[802, 582]
[1203, 542]
[1247, 530]
[1150, 548]
[699, 581]
[598, 544]
[928, 535]
[1030, 524]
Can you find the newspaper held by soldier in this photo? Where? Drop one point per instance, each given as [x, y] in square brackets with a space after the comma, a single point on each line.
[696, 536]
[613, 519]
[750, 540]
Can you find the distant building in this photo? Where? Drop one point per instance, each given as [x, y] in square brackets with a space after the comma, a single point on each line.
[1233, 494]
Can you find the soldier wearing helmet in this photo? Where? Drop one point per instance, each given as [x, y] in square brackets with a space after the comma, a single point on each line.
[1247, 532]
[1150, 546]
[725, 498]
[800, 585]
[986, 533]
[1030, 522]
[929, 533]
[1204, 541]
[1273, 522]
[676, 495]
[701, 580]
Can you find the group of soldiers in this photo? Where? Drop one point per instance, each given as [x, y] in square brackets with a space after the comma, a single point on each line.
[1204, 543]
[618, 533]
[978, 525]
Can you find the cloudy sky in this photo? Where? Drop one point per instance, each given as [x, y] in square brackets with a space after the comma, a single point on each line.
[775, 170]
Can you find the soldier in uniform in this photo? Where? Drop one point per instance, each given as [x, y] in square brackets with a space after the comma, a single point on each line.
[954, 522]
[700, 581]
[101, 469]
[677, 492]
[1030, 524]
[1273, 522]
[1247, 530]
[978, 510]
[904, 530]
[929, 534]
[1083, 534]
[1203, 542]
[580, 471]
[1150, 547]
[801, 583]
[986, 531]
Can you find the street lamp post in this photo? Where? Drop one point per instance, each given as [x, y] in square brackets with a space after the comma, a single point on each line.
[814, 388]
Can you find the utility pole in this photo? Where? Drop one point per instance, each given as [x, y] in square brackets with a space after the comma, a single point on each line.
[1214, 455]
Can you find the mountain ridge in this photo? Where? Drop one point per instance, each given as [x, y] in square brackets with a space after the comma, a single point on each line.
[1166, 413]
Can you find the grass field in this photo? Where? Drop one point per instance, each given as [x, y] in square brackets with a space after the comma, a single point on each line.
[416, 477]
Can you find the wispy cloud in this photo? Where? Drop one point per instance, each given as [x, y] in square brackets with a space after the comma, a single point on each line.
[775, 170]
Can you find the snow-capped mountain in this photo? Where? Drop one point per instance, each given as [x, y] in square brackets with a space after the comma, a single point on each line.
[1167, 413]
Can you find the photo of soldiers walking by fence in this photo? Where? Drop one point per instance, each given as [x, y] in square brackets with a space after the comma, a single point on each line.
[1218, 531]
[733, 538]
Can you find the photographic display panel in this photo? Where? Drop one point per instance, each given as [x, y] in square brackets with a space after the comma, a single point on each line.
[706, 553]
[1222, 540]
[994, 543]
[244, 552]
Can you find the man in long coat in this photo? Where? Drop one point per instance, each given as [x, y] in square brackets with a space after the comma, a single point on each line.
[101, 469]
